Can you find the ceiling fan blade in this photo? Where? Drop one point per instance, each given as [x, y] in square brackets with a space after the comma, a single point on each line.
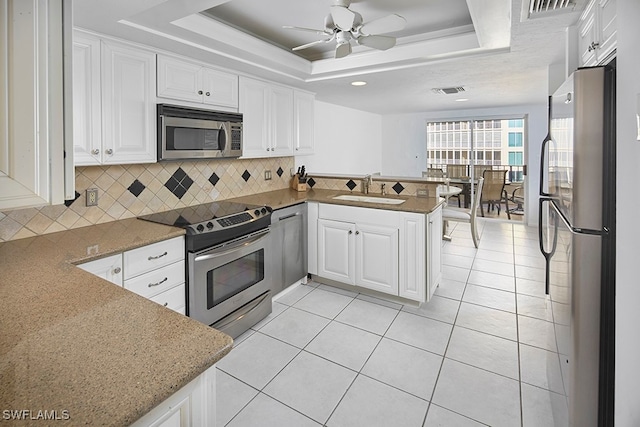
[387, 24]
[304, 46]
[377, 42]
[309, 30]
[343, 17]
[343, 50]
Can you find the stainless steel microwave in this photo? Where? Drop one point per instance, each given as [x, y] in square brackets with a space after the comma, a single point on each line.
[189, 133]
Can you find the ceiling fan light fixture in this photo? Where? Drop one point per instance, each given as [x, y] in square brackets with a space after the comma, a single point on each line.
[358, 83]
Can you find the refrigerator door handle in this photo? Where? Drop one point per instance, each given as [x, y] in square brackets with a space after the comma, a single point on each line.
[577, 230]
[547, 254]
[543, 151]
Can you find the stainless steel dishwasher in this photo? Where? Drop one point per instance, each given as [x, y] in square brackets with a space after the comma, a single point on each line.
[289, 246]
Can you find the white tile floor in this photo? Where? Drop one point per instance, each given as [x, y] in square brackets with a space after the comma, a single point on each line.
[482, 352]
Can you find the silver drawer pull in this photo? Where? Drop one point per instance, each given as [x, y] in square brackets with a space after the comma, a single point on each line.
[117, 270]
[151, 285]
[157, 256]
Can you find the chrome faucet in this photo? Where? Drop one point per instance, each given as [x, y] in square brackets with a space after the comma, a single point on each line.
[366, 183]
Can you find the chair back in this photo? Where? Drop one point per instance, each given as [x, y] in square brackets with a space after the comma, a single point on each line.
[456, 171]
[478, 170]
[476, 198]
[433, 173]
[494, 184]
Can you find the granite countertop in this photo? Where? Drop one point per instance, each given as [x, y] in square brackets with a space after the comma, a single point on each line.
[287, 197]
[71, 341]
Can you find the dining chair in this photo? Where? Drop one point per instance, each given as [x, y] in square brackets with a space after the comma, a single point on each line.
[478, 170]
[517, 198]
[433, 173]
[457, 171]
[493, 193]
[466, 215]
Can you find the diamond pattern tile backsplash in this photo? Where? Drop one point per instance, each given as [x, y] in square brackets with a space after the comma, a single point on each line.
[127, 191]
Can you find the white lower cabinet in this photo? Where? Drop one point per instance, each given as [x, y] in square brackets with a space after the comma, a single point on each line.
[155, 271]
[109, 268]
[394, 252]
[192, 405]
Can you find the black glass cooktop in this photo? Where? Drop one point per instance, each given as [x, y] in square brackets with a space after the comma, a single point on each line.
[192, 215]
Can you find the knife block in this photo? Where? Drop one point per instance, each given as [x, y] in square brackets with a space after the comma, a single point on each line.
[297, 185]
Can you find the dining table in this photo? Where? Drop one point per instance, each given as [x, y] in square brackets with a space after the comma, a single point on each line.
[461, 182]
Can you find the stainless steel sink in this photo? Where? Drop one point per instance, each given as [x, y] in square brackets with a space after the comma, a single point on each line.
[369, 199]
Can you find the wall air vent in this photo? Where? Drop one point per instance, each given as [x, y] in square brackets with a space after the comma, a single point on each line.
[448, 90]
[540, 8]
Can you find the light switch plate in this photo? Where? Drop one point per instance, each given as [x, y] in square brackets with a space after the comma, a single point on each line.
[267, 175]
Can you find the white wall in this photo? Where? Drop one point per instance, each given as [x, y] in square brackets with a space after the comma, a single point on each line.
[405, 154]
[347, 141]
[627, 409]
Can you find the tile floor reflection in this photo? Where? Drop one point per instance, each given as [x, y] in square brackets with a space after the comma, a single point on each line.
[482, 352]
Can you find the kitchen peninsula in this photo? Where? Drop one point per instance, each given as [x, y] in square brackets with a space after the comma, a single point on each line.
[80, 348]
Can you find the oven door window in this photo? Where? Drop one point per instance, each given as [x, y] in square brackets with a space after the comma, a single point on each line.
[194, 139]
[234, 277]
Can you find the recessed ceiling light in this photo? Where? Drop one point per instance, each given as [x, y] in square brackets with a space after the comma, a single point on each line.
[462, 99]
[358, 83]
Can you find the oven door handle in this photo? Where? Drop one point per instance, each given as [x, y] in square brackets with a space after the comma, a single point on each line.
[244, 311]
[232, 247]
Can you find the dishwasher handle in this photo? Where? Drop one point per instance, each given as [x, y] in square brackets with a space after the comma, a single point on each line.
[289, 216]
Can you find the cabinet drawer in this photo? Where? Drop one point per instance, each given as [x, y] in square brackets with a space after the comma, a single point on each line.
[151, 257]
[174, 299]
[154, 282]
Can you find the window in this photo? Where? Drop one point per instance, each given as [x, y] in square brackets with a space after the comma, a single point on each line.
[515, 139]
[516, 123]
[515, 158]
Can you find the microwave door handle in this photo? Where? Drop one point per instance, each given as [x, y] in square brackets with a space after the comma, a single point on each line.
[222, 137]
[162, 149]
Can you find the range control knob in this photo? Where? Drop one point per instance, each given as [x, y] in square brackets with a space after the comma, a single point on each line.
[209, 225]
[263, 210]
[257, 212]
[200, 227]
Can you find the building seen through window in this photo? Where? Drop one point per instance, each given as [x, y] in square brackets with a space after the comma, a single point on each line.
[497, 143]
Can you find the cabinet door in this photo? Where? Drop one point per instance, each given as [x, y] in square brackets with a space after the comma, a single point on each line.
[413, 257]
[607, 31]
[281, 121]
[179, 80]
[109, 268]
[31, 104]
[254, 105]
[587, 35]
[303, 122]
[377, 258]
[434, 251]
[336, 251]
[87, 120]
[220, 88]
[128, 100]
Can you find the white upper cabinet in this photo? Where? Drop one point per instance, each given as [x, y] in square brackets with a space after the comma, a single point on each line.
[303, 122]
[87, 108]
[128, 104]
[31, 103]
[192, 82]
[114, 102]
[267, 123]
[597, 32]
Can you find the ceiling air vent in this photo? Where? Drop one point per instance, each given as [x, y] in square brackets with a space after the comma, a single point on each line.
[540, 8]
[448, 90]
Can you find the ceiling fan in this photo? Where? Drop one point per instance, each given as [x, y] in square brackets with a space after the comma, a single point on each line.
[343, 25]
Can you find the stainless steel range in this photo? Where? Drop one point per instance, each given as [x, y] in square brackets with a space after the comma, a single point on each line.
[228, 278]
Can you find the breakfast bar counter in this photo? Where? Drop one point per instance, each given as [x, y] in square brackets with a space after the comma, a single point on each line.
[287, 197]
[82, 349]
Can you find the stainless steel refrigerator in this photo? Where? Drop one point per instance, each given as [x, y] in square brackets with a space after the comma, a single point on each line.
[577, 238]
